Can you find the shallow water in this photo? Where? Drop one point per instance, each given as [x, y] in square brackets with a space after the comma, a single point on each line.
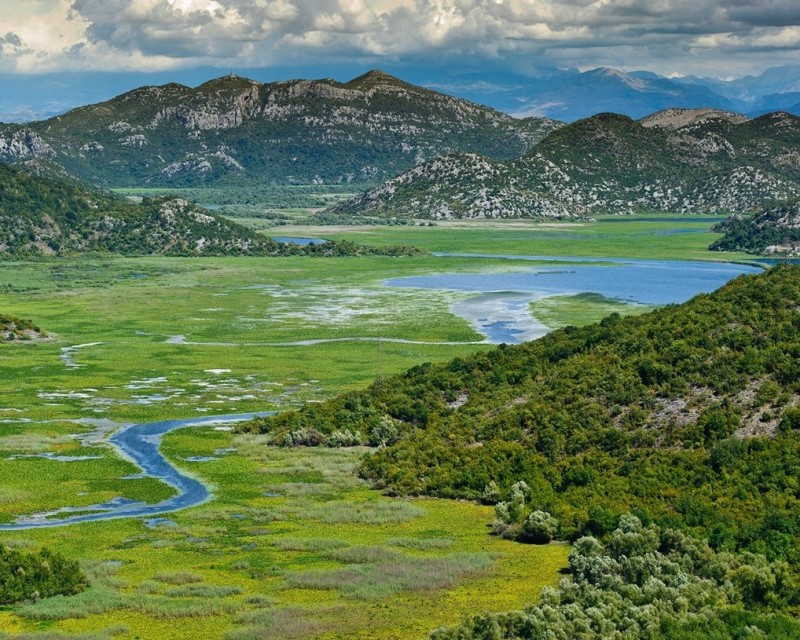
[140, 444]
[298, 240]
[501, 308]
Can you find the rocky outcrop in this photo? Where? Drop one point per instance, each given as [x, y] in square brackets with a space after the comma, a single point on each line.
[22, 144]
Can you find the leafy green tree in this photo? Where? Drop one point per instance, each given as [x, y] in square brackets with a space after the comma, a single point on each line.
[539, 527]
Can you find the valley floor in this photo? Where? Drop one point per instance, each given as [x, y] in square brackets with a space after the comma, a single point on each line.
[292, 544]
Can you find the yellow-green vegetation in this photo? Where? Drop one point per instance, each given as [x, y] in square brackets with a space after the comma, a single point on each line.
[117, 354]
[293, 545]
[581, 309]
[656, 236]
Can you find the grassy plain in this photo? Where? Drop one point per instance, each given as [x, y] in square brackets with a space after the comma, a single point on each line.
[293, 544]
[661, 236]
[581, 309]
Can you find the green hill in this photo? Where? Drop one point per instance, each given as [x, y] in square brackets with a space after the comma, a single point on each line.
[775, 230]
[232, 131]
[44, 216]
[687, 416]
[684, 161]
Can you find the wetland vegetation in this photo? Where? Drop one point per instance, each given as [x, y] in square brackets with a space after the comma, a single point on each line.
[293, 544]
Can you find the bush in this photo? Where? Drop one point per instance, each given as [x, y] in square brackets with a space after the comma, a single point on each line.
[540, 527]
[31, 576]
[790, 420]
[644, 581]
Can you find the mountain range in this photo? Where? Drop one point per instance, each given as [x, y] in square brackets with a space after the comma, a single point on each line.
[677, 160]
[565, 94]
[232, 131]
[569, 94]
[432, 155]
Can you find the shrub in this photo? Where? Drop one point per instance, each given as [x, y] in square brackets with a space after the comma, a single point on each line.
[540, 527]
[31, 576]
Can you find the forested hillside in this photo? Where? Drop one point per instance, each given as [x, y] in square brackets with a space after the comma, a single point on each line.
[46, 216]
[687, 416]
[775, 230]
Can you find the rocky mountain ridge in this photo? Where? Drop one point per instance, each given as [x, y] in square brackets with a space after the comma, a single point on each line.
[232, 130]
[705, 161]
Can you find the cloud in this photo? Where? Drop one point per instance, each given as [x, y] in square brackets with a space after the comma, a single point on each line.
[667, 35]
[771, 13]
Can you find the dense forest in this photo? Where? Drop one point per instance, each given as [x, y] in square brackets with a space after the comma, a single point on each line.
[686, 416]
[47, 216]
[30, 576]
[775, 230]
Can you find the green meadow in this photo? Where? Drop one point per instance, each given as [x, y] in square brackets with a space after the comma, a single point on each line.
[293, 544]
[657, 236]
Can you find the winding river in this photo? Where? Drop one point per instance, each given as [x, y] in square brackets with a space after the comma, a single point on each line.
[140, 444]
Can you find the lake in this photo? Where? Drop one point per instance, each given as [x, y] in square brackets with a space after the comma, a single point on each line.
[500, 310]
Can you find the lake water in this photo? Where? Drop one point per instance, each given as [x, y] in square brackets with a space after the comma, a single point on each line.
[298, 240]
[500, 310]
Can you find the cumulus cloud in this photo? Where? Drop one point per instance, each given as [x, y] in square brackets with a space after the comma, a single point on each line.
[158, 34]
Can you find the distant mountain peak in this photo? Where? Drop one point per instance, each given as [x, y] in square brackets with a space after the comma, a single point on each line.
[229, 81]
[375, 74]
[632, 81]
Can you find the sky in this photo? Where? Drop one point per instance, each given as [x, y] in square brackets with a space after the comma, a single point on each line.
[326, 38]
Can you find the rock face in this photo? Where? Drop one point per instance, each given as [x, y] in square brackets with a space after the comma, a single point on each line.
[704, 161]
[23, 144]
[233, 130]
[675, 119]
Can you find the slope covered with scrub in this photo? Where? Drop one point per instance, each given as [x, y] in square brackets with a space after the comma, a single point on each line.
[47, 216]
[688, 415]
[701, 161]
